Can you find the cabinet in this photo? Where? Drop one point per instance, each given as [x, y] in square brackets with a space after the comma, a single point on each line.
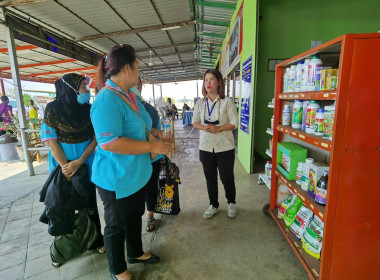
[351, 239]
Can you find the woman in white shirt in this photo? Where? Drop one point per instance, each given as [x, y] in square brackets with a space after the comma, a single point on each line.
[215, 117]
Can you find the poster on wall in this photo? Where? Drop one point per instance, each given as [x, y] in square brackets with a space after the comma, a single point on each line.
[246, 95]
[231, 51]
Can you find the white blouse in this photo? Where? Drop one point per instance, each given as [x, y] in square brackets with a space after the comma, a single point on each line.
[224, 111]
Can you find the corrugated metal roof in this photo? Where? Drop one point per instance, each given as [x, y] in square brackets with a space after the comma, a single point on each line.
[75, 19]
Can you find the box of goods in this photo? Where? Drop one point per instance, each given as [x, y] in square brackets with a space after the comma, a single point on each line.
[288, 156]
[315, 173]
[302, 220]
[329, 79]
[313, 237]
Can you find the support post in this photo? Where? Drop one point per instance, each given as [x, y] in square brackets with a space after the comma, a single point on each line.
[154, 97]
[19, 98]
[197, 90]
[2, 87]
[234, 85]
[161, 90]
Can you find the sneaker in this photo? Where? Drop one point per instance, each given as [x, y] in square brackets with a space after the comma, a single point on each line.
[211, 211]
[231, 210]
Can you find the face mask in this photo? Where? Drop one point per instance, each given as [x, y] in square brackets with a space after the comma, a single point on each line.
[135, 91]
[83, 98]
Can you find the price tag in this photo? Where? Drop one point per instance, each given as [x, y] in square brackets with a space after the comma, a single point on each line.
[295, 243]
[301, 196]
[321, 215]
[302, 95]
[302, 136]
[324, 145]
[286, 131]
[293, 133]
[296, 96]
[315, 272]
[311, 206]
[326, 95]
[280, 96]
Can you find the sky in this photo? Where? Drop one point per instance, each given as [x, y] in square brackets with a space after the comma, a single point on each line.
[177, 91]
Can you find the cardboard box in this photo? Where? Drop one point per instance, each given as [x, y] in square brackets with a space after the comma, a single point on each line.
[291, 154]
[315, 173]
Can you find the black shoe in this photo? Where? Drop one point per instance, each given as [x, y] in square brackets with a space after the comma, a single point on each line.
[152, 259]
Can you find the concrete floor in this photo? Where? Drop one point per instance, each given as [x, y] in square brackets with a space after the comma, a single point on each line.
[249, 246]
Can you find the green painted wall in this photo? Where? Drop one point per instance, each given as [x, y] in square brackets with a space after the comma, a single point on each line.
[245, 152]
[286, 29]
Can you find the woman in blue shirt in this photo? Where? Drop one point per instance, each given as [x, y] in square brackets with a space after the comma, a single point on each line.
[122, 165]
[68, 131]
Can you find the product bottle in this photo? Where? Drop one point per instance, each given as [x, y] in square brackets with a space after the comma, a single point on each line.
[326, 123]
[292, 78]
[272, 123]
[286, 115]
[304, 76]
[331, 122]
[310, 116]
[304, 113]
[267, 169]
[321, 190]
[299, 67]
[166, 127]
[319, 118]
[305, 174]
[297, 114]
[299, 173]
[314, 68]
[286, 79]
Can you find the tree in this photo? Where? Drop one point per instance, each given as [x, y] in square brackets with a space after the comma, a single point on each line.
[26, 98]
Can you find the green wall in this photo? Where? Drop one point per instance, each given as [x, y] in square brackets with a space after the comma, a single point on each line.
[286, 29]
[245, 152]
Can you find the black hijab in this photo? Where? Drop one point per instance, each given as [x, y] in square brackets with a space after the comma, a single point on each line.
[70, 119]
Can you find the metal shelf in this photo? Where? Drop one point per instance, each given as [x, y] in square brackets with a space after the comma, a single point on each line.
[307, 200]
[313, 265]
[269, 131]
[268, 152]
[310, 95]
[314, 140]
[264, 179]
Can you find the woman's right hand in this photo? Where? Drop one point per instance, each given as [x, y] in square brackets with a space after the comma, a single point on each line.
[160, 147]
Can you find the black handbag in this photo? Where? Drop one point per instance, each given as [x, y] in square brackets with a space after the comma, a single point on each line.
[167, 194]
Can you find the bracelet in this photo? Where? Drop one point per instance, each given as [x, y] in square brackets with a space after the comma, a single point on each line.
[221, 129]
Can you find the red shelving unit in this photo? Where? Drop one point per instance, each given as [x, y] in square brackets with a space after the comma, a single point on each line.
[351, 242]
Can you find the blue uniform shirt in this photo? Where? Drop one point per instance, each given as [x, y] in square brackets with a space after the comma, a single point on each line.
[113, 118]
[71, 151]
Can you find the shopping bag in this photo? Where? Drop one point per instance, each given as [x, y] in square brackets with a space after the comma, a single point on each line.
[167, 194]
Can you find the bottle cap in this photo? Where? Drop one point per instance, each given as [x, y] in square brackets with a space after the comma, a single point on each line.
[320, 110]
[309, 160]
[300, 62]
[316, 56]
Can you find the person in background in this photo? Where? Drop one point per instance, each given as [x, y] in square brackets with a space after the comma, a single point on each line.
[215, 116]
[5, 115]
[68, 131]
[151, 187]
[32, 110]
[169, 108]
[122, 165]
[185, 107]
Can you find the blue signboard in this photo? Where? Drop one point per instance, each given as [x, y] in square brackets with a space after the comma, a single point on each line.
[246, 95]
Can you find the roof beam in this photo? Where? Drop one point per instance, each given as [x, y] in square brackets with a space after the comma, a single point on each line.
[29, 78]
[216, 5]
[10, 3]
[20, 48]
[41, 64]
[167, 47]
[168, 66]
[137, 30]
[165, 54]
[214, 22]
[64, 71]
[216, 35]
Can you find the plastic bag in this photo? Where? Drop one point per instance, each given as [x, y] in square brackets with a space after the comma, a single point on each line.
[291, 212]
[313, 237]
[302, 220]
[285, 205]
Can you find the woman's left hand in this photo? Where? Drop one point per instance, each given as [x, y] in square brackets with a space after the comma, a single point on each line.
[212, 128]
[69, 169]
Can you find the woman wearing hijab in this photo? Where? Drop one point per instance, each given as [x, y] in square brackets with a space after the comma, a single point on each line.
[68, 131]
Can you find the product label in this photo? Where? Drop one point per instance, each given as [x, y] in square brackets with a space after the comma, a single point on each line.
[317, 81]
[320, 196]
[310, 117]
[297, 115]
[319, 126]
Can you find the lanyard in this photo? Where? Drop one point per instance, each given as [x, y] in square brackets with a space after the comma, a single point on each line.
[130, 95]
[212, 108]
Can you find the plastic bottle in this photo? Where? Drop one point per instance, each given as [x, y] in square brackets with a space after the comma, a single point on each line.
[326, 123]
[299, 67]
[286, 115]
[314, 68]
[310, 116]
[305, 174]
[304, 113]
[286, 79]
[166, 127]
[321, 190]
[305, 76]
[267, 169]
[319, 117]
[292, 78]
[331, 122]
[272, 123]
[297, 114]
[299, 173]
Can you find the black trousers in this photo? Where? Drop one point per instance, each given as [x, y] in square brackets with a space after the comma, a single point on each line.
[94, 216]
[123, 223]
[151, 187]
[224, 162]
